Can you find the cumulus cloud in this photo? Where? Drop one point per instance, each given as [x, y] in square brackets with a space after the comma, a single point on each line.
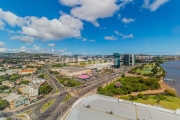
[124, 36]
[112, 38]
[153, 5]
[2, 24]
[22, 38]
[36, 48]
[91, 10]
[51, 45]
[2, 47]
[12, 19]
[64, 27]
[127, 20]
[22, 49]
[2, 44]
[84, 39]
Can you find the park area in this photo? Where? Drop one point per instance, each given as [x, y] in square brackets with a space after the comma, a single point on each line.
[146, 68]
[169, 101]
[127, 85]
[149, 70]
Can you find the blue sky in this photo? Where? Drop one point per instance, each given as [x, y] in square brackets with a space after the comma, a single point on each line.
[90, 26]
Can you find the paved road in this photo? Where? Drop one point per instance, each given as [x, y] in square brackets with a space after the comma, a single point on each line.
[65, 106]
[36, 113]
[59, 108]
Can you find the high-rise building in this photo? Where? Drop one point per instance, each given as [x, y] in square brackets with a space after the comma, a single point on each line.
[116, 60]
[129, 59]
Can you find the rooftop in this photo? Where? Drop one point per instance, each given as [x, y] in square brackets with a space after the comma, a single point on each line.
[12, 97]
[72, 69]
[27, 70]
[99, 108]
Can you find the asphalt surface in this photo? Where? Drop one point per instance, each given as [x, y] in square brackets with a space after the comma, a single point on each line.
[36, 112]
[56, 111]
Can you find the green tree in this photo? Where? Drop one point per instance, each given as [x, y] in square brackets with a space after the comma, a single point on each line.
[169, 93]
[140, 95]
[41, 76]
[99, 88]
[159, 97]
[123, 75]
[25, 82]
[45, 89]
[3, 104]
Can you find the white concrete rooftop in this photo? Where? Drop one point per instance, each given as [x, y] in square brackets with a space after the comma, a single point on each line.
[122, 110]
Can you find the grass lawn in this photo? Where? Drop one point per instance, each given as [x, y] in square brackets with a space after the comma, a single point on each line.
[46, 105]
[46, 76]
[147, 69]
[28, 112]
[57, 90]
[67, 97]
[172, 103]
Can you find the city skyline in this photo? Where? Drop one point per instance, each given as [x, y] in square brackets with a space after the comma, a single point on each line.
[96, 27]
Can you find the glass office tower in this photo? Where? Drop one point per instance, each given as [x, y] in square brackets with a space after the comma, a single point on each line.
[116, 60]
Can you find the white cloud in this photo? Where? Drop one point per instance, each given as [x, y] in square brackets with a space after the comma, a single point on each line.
[22, 49]
[2, 44]
[112, 38]
[26, 39]
[84, 39]
[36, 48]
[3, 50]
[51, 45]
[178, 53]
[124, 36]
[119, 16]
[154, 5]
[2, 47]
[11, 18]
[64, 27]
[91, 10]
[2, 24]
[127, 20]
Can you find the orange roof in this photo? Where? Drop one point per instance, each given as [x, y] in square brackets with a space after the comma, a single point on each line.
[27, 70]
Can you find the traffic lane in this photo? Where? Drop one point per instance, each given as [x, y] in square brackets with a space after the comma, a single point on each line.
[59, 98]
[72, 100]
[58, 86]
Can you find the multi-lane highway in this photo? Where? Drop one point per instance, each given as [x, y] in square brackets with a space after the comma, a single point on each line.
[56, 110]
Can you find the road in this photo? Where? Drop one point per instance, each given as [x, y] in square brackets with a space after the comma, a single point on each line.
[57, 110]
[36, 112]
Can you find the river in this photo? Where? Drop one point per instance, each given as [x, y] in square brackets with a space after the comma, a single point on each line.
[173, 72]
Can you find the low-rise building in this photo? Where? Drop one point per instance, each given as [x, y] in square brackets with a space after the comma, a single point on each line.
[20, 101]
[8, 83]
[38, 81]
[27, 71]
[31, 90]
[16, 100]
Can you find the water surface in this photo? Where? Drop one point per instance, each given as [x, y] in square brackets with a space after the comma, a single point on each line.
[173, 72]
